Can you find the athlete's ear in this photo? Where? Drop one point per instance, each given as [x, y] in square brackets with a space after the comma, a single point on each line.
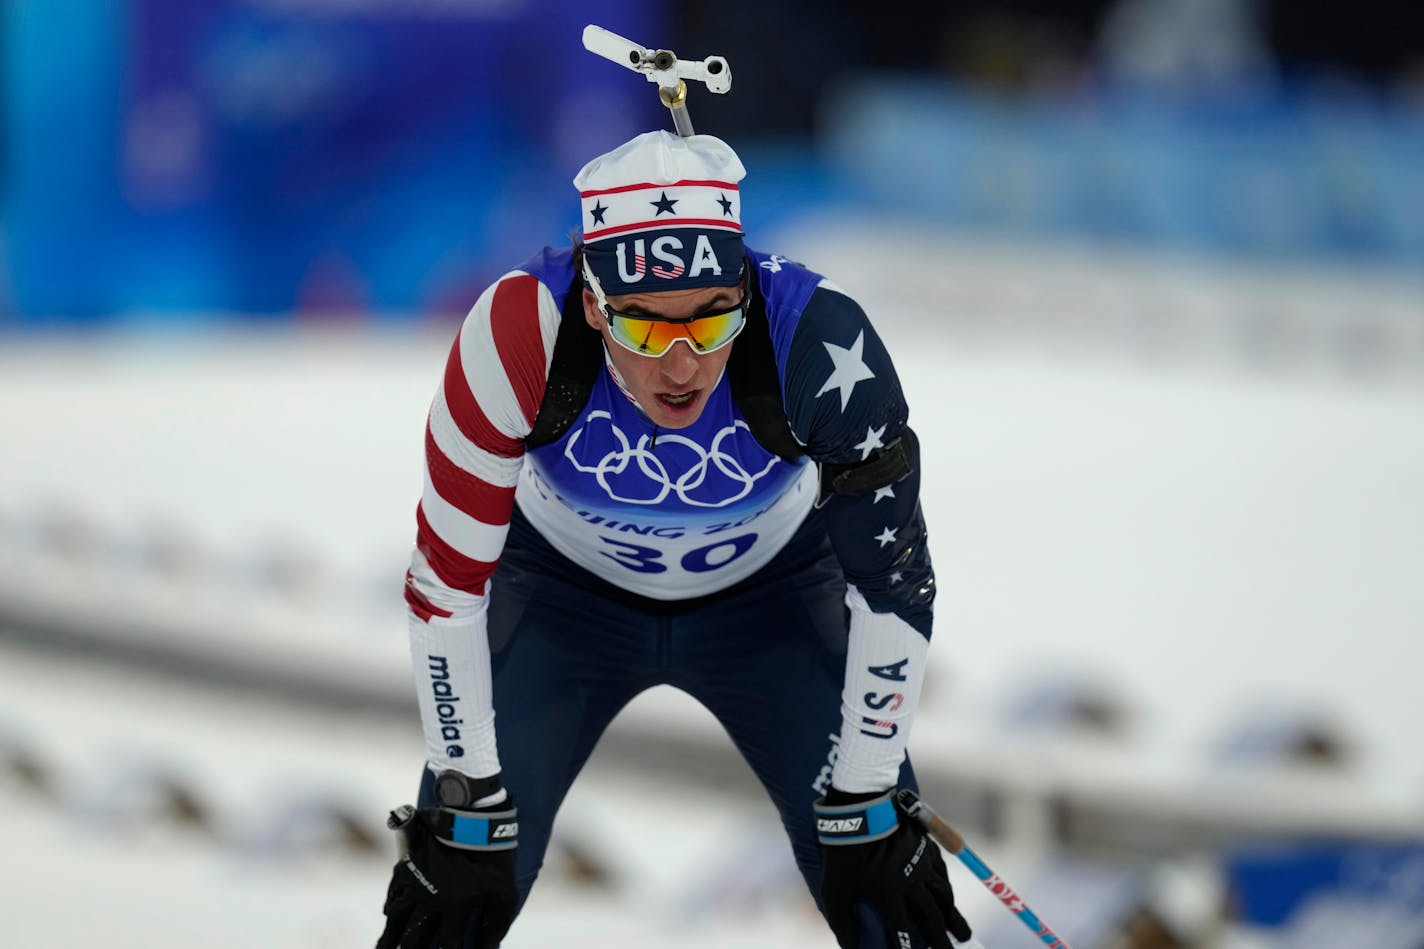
[590, 310]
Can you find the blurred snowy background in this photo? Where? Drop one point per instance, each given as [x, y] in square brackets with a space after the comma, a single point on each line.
[1153, 274]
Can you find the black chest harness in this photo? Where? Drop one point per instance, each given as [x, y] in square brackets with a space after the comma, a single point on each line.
[756, 389]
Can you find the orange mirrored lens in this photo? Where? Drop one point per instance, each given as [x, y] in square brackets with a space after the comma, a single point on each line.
[653, 337]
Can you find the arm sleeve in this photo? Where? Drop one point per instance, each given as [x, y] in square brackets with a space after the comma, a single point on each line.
[846, 406]
[474, 449]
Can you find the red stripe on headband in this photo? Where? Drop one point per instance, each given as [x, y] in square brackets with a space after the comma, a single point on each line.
[643, 186]
[664, 223]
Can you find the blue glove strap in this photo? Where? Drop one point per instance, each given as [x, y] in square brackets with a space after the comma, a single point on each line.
[478, 830]
[841, 824]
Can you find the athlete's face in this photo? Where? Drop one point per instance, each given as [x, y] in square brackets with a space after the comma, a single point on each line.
[671, 388]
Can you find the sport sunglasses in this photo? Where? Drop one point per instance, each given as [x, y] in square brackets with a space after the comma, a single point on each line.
[648, 335]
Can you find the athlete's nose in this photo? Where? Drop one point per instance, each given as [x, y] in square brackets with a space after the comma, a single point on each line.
[679, 364]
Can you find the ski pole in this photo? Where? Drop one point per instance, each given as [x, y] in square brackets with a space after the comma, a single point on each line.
[947, 838]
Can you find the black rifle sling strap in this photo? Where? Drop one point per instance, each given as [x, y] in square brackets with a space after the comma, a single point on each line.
[578, 354]
[756, 385]
[751, 372]
[889, 465]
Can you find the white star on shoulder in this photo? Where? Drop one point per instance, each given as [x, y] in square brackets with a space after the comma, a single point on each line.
[849, 368]
[896, 577]
[872, 442]
[887, 536]
[885, 492]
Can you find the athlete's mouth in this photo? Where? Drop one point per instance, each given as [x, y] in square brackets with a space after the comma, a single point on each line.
[678, 400]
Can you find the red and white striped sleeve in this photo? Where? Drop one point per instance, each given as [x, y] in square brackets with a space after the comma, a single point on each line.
[474, 442]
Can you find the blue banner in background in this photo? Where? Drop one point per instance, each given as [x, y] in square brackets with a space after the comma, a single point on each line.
[1282, 172]
[1302, 886]
[317, 156]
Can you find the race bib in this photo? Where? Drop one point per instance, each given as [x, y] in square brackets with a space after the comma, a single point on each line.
[684, 514]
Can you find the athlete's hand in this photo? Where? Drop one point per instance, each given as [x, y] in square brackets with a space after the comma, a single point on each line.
[453, 864]
[873, 856]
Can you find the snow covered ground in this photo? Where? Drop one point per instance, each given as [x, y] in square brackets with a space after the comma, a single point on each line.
[1191, 490]
[97, 858]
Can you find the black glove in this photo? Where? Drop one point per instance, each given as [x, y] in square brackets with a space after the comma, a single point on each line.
[874, 854]
[454, 862]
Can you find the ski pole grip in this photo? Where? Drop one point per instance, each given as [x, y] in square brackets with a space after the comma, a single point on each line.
[925, 816]
[945, 836]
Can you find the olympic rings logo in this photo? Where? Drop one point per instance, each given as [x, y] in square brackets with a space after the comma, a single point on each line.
[653, 474]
